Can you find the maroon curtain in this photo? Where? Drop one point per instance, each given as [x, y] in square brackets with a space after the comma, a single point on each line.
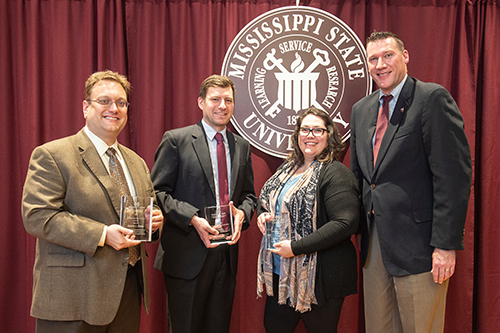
[48, 48]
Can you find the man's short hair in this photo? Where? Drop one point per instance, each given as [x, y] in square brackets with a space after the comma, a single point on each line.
[215, 81]
[106, 75]
[380, 35]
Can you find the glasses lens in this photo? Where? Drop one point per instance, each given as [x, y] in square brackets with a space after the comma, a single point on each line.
[108, 103]
[103, 102]
[318, 132]
[304, 131]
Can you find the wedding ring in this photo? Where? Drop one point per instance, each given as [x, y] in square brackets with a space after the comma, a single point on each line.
[447, 269]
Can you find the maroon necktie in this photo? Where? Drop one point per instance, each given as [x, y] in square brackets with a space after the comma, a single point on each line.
[118, 177]
[222, 169]
[382, 121]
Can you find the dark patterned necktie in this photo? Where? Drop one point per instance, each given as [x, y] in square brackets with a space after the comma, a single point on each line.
[382, 121]
[118, 176]
[223, 182]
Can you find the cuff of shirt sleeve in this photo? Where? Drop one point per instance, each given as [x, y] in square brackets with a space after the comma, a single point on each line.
[102, 241]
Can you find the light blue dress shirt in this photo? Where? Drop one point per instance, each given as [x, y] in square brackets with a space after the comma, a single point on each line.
[212, 146]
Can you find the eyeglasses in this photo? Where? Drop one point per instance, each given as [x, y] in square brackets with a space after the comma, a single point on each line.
[107, 103]
[316, 131]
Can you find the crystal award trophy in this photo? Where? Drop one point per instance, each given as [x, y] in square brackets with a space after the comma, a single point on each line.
[277, 230]
[136, 214]
[220, 218]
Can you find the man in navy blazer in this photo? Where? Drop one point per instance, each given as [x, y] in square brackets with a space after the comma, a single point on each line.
[200, 277]
[415, 194]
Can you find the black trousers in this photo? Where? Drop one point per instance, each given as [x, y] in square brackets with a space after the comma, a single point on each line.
[203, 304]
[284, 318]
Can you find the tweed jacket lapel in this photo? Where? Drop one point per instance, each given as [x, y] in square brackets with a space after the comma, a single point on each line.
[135, 170]
[91, 158]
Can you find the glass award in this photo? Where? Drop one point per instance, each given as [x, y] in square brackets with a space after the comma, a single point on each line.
[276, 230]
[220, 218]
[136, 214]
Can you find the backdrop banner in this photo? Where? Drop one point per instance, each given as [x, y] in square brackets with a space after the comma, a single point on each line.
[48, 48]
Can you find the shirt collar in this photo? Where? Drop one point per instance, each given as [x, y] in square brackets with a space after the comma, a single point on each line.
[395, 93]
[210, 131]
[99, 143]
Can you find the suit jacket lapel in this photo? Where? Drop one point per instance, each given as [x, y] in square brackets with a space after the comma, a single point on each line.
[200, 146]
[395, 121]
[372, 114]
[92, 159]
[234, 152]
[135, 171]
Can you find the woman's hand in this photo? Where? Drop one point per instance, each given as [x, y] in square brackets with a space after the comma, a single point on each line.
[284, 249]
[261, 221]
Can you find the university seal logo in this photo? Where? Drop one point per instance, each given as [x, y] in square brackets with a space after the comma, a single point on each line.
[290, 59]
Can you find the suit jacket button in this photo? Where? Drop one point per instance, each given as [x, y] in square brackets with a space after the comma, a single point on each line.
[373, 185]
[124, 263]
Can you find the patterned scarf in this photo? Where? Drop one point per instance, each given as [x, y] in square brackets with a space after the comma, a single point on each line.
[297, 274]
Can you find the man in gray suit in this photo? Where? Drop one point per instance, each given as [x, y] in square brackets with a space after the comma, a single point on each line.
[85, 280]
[200, 277]
[415, 182]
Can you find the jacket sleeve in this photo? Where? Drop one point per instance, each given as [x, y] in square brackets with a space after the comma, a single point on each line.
[338, 205]
[164, 176]
[449, 158]
[247, 199]
[46, 214]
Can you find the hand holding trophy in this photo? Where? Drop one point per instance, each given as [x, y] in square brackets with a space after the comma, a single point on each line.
[220, 218]
[135, 214]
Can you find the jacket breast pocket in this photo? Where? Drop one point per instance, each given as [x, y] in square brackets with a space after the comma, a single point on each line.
[404, 131]
[423, 215]
[65, 259]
